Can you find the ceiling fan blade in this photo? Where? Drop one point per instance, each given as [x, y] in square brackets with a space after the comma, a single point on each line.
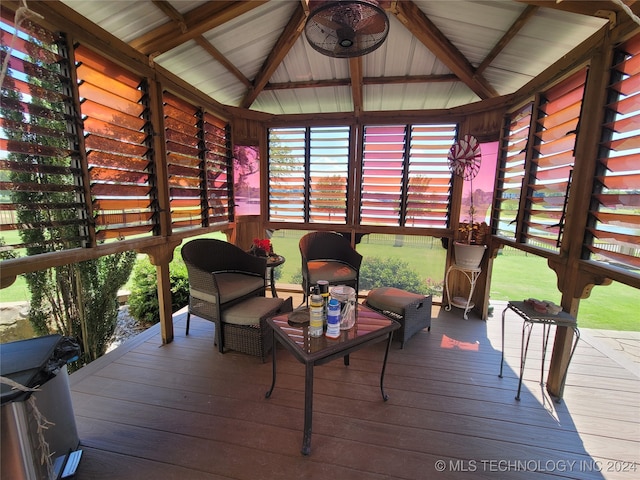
[372, 25]
[326, 21]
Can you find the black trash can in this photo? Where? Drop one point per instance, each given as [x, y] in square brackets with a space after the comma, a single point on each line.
[36, 363]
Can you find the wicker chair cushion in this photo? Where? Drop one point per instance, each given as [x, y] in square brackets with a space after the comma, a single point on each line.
[391, 299]
[236, 285]
[250, 311]
[333, 272]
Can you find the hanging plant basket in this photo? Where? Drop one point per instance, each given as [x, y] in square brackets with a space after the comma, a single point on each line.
[468, 255]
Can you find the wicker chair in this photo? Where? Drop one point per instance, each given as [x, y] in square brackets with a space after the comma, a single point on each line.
[328, 256]
[222, 277]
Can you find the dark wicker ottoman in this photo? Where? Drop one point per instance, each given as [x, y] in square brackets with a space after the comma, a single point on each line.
[245, 328]
[412, 310]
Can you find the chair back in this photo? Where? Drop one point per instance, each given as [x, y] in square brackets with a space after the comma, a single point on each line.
[212, 255]
[328, 246]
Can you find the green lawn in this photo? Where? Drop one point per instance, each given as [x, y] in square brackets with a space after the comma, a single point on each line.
[516, 275]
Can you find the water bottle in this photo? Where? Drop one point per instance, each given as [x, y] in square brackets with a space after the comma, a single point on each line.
[333, 319]
[316, 321]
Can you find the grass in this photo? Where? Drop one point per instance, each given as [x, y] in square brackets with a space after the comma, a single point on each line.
[516, 275]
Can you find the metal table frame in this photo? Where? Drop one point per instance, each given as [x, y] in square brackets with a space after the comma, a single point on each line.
[327, 351]
[531, 317]
[273, 262]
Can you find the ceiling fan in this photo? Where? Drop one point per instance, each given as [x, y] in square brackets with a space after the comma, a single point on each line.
[346, 28]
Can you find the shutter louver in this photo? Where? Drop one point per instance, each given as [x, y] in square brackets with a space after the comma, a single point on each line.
[512, 154]
[40, 196]
[405, 175]
[614, 225]
[198, 163]
[118, 150]
[382, 174]
[287, 175]
[429, 189]
[552, 161]
[184, 162]
[217, 169]
[328, 172]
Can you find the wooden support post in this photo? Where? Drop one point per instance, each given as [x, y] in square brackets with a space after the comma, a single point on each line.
[562, 346]
[164, 302]
[161, 256]
[573, 282]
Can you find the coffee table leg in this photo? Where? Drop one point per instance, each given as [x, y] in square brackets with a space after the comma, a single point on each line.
[308, 409]
[385, 397]
[273, 365]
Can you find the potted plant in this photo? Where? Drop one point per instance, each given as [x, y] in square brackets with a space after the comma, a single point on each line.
[261, 247]
[470, 247]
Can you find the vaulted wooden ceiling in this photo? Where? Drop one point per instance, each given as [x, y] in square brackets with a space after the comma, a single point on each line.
[438, 54]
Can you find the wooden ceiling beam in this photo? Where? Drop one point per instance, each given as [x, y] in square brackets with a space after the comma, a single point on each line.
[345, 82]
[431, 37]
[592, 8]
[305, 6]
[215, 53]
[287, 39]
[172, 13]
[355, 69]
[520, 22]
[177, 17]
[198, 21]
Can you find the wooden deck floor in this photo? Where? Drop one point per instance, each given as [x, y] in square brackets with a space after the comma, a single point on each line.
[184, 411]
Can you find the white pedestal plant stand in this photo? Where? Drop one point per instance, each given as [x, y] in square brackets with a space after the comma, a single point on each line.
[472, 275]
[468, 258]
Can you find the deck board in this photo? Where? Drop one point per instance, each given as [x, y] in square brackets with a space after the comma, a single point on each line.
[184, 410]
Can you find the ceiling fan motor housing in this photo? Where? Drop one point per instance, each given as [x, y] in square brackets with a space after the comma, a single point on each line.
[346, 28]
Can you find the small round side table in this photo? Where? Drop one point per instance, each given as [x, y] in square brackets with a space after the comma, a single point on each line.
[273, 261]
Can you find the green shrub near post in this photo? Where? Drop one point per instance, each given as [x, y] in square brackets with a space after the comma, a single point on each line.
[143, 300]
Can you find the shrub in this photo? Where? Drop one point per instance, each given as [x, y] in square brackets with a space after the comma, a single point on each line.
[80, 300]
[390, 272]
[143, 300]
[385, 272]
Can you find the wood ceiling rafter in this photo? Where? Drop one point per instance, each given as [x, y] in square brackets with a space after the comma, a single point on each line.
[287, 39]
[431, 37]
[172, 13]
[345, 82]
[520, 22]
[215, 53]
[197, 21]
[355, 70]
[193, 24]
[177, 17]
[591, 8]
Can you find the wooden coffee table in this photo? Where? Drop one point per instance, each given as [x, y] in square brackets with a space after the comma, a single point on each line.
[370, 327]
